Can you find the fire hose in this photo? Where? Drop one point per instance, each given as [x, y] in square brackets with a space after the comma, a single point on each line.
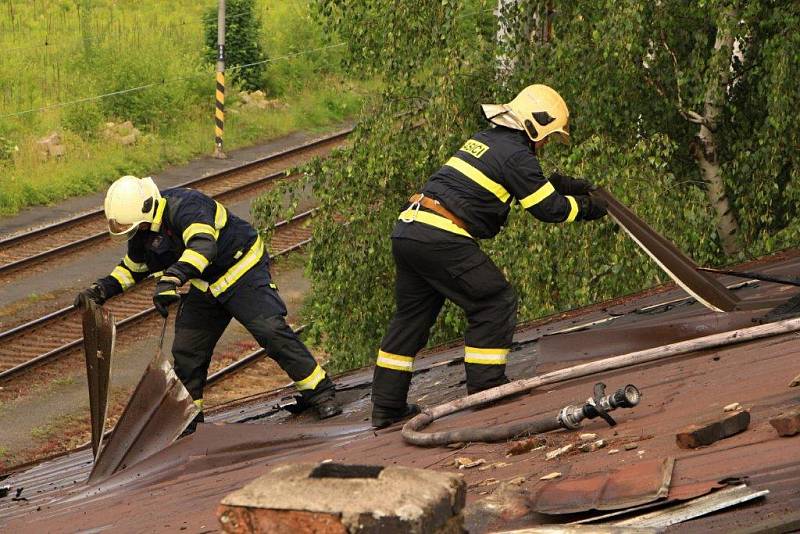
[569, 417]
[412, 430]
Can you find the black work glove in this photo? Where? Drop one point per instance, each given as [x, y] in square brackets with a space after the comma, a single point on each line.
[591, 207]
[166, 294]
[94, 293]
[567, 185]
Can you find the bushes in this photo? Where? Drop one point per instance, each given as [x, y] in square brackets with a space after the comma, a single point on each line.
[159, 106]
[242, 45]
[83, 119]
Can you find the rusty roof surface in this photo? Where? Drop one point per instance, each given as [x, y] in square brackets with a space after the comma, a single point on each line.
[181, 486]
[632, 485]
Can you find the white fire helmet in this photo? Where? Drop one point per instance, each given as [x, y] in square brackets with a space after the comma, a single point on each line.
[130, 201]
[538, 110]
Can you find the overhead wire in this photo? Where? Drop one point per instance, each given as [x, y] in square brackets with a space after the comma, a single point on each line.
[183, 78]
[162, 82]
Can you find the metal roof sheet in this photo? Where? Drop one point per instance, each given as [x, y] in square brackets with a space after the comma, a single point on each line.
[182, 485]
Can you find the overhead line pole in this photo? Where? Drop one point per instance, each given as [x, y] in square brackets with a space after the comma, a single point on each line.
[219, 112]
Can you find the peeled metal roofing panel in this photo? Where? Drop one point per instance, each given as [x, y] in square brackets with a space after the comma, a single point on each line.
[99, 333]
[634, 485]
[672, 261]
[699, 284]
[158, 411]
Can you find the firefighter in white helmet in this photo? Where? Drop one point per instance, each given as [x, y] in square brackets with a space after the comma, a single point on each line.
[191, 240]
[437, 256]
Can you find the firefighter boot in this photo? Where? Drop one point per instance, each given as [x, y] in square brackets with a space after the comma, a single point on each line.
[383, 417]
[192, 426]
[327, 408]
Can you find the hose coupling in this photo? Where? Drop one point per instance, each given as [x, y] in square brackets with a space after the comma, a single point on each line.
[599, 405]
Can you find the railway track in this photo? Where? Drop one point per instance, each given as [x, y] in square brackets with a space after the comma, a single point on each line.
[36, 246]
[60, 332]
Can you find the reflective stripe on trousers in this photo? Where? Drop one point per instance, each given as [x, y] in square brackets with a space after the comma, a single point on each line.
[485, 356]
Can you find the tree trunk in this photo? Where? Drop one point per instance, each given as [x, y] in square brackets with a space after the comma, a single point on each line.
[706, 149]
[536, 28]
[505, 64]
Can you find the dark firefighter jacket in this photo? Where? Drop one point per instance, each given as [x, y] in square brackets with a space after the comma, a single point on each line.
[192, 237]
[493, 169]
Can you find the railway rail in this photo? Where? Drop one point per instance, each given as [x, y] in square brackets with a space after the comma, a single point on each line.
[36, 246]
[58, 333]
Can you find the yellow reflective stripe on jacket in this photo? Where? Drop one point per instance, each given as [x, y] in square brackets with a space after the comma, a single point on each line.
[537, 196]
[425, 217]
[312, 380]
[198, 228]
[199, 404]
[573, 209]
[133, 266]
[485, 356]
[395, 361]
[202, 285]
[194, 258]
[155, 226]
[123, 276]
[239, 268]
[220, 216]
[481, 179]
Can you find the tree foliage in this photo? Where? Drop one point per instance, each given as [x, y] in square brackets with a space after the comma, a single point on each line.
[630, 71]
[242, 44]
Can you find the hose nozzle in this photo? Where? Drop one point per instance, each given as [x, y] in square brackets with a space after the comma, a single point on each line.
[626, 397]
[570, 417]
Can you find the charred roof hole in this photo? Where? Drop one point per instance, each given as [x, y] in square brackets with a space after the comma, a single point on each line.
[331, 470]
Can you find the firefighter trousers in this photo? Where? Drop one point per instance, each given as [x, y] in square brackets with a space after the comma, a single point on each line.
[427, 274]
[255, 303]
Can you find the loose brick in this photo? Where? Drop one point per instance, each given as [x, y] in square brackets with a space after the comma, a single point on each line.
[700, 435]
[788, 423]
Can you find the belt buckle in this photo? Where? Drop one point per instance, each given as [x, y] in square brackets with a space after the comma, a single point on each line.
[414, 209]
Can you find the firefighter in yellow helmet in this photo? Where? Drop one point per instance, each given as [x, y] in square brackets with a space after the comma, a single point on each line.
[189, 239]
[437, 256]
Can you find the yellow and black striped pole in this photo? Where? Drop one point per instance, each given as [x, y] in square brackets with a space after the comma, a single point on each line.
[219, 114]
[219, 111]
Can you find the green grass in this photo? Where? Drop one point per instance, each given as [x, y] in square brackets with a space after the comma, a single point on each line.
[111, 47]
[41, 432]
[64, 381]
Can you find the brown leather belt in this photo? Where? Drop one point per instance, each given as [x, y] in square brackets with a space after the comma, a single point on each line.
[436, 207]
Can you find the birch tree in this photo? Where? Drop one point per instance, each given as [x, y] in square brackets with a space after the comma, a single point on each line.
[692, 140]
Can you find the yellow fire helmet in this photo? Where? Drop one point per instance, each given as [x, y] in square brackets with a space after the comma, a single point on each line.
[538, 110]
[130, 201]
